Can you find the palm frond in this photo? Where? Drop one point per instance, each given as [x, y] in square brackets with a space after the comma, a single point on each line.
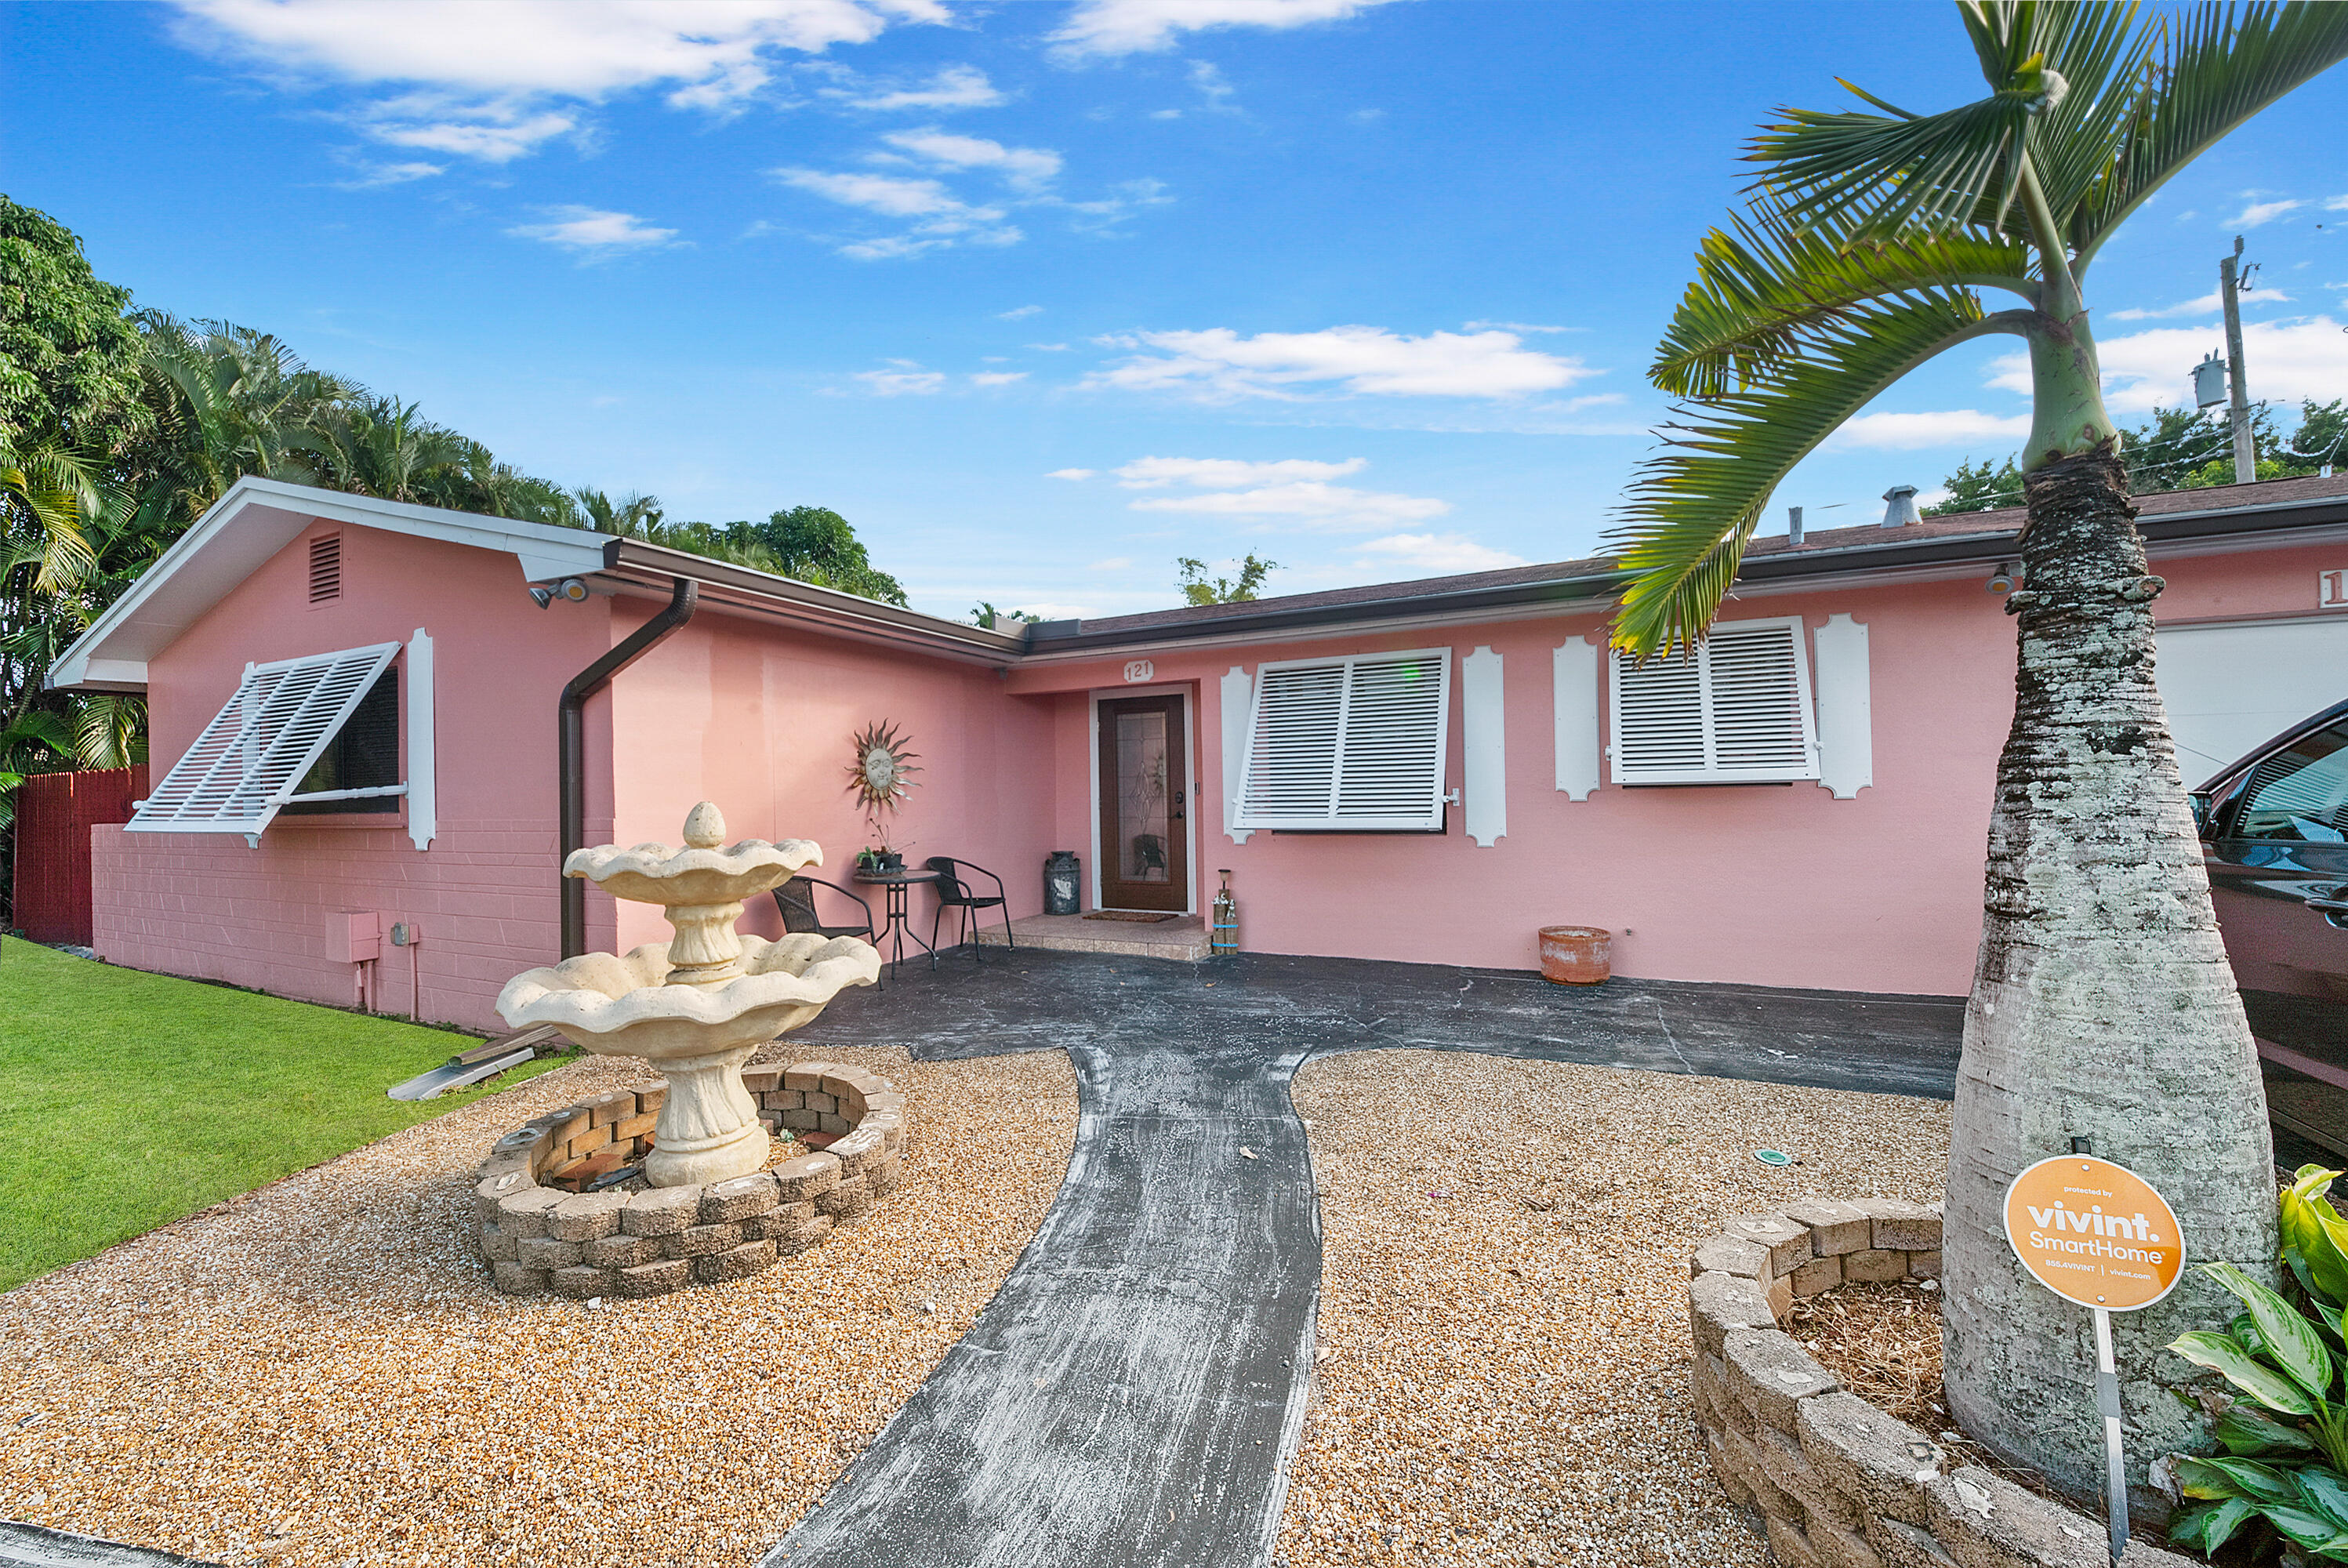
[1764, 284]
[2217, 67]
[1683, 530]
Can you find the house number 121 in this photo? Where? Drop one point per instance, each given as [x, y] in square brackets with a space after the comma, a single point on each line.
[1142, 669]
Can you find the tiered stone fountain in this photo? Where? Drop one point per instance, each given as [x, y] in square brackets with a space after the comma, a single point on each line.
[698, 1007]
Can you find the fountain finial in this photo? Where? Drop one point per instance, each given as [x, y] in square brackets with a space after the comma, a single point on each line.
[704, 826]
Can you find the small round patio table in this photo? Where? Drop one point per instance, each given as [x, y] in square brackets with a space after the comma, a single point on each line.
[894, 927]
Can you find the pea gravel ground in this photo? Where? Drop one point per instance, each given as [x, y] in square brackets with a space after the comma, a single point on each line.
[1502, 1343]
[321, 1373]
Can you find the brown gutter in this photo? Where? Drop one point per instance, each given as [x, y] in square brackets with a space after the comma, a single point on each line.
[571, 724]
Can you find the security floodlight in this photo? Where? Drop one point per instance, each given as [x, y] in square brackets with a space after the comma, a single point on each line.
[2210, 381]
[569, 589]
[2000, 582]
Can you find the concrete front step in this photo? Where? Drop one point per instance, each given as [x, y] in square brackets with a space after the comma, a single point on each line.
[1183, 937]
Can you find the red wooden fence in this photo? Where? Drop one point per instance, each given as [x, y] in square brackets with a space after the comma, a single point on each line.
[54, 812]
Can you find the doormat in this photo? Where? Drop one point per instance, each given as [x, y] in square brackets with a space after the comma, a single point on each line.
[1134, 916]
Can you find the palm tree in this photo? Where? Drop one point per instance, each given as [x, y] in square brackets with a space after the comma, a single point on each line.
[222, 401]
[2102, 1004]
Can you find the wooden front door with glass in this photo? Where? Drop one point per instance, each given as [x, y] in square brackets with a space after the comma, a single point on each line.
[1144, 805]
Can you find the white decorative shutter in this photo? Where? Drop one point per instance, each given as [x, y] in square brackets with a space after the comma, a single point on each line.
[1484, 754]
[1846, 722]
[251, 759]
[1348, 744]
[1574, 670]
[1735, 711]
[1235, 702]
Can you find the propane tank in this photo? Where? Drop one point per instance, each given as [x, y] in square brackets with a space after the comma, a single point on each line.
[1225, 937]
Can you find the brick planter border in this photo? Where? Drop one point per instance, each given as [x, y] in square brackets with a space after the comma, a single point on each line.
[580, 1245]
[1837, 1482]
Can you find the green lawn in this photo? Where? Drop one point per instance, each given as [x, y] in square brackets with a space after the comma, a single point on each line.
[128, 1100]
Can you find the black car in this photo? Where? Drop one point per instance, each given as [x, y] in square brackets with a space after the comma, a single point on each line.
[2274, 830]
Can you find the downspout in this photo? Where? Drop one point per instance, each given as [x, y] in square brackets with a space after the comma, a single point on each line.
[571, 765]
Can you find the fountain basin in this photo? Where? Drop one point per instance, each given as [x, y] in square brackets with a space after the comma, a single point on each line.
[698, 1034]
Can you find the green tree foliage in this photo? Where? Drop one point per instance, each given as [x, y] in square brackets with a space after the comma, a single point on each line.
[986, 614]
[69, 355]
[2179, 449]
[812, 543]
[1197, 588]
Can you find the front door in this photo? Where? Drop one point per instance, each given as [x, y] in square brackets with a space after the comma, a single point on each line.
[1144, 860]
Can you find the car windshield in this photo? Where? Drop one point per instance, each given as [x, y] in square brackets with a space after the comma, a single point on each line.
[2301, 792]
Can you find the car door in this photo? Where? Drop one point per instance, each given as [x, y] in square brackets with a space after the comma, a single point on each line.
[2278, 861]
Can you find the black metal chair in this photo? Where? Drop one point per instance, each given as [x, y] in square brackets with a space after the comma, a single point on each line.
[795, 899]
[955, 891]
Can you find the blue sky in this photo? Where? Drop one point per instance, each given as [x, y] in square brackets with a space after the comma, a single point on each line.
[1043, 295]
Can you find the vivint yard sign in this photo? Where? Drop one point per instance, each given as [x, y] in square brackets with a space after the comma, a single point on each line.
[2096, 1233]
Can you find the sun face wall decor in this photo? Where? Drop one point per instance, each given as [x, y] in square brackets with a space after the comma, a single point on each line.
[880, 776]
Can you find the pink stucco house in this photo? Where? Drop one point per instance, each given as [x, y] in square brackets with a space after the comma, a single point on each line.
[1425, 772]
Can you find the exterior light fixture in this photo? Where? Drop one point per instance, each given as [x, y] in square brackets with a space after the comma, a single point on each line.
[2000, 582]
[569, 589]
[2210, 381]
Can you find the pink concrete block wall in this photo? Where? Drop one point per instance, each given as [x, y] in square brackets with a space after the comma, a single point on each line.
[485, 892]
[759, 719]
[1760, 884]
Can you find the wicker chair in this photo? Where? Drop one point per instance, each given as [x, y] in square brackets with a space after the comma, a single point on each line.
[955, 891]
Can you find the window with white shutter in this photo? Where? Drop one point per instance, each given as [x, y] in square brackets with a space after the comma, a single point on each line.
[252, 758]
[1736, 711]
[1352, 745]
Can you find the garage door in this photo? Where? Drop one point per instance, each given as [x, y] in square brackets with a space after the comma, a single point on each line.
[2227, 689]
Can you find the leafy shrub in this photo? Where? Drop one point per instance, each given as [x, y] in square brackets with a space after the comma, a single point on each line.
[2285, 1439]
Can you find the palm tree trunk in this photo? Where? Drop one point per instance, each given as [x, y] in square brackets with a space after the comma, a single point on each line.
[2102, 1008]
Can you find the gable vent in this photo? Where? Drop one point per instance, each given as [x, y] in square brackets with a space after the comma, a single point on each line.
[325, 568]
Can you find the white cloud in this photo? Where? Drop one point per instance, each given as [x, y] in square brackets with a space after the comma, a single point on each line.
[591, 230]
[1518, 326]
[1307, 502]
[1071, 473]
[955, 86]
[945, 219]
[1108, 27]
[2209, 303]
[1114, 563]
[1219, 364]
[373, 176]
[494, 79]
[997, 377]
[1020, 313]
[564, 48]
[902, 383]
[2258, 213]
[2305, 356]
[1910, 432]
[2336, 205]
[1436, 555]
[1062, 349]
[492, 133]
[1228, 473]
[1027, 169]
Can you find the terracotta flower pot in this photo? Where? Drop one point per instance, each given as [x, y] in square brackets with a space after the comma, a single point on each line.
[1576, 955]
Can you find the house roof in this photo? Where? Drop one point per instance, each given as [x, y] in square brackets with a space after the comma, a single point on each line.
[2170, 521]
[259, 516]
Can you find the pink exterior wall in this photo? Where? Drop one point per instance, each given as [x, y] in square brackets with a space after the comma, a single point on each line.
[1761, 884]
[484, 892]
[759, 719]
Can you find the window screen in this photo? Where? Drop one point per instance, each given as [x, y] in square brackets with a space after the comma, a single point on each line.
[364, 754]
[1735, 710]
[1350, 745]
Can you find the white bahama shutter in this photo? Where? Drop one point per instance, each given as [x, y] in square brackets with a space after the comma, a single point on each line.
[1736, 711]
[252, 757]
[1348, 745]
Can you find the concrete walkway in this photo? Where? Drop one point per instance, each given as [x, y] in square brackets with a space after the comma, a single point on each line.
[1131, 1394]
[1130, 1397]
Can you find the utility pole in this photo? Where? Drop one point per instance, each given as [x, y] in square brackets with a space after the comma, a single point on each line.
[2246, 457]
